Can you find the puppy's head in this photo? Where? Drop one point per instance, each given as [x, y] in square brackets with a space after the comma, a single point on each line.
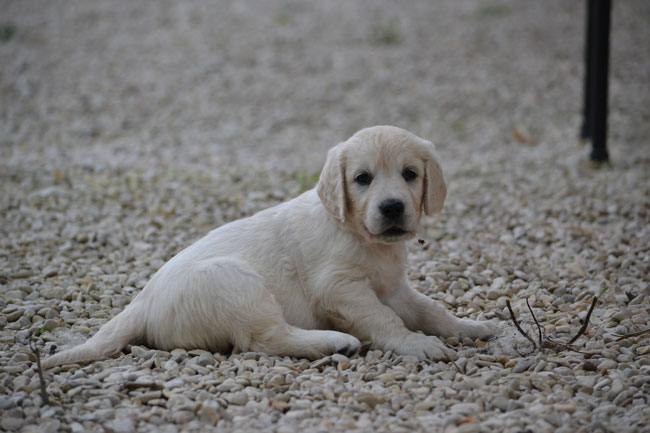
[380, 181]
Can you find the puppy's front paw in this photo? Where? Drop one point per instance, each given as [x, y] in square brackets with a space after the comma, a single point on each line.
[423, 347]
[477, 329]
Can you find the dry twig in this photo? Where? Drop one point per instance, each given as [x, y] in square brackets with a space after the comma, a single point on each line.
[632, 334]
[583, 329]
[539, 328]
[548, 343]
[514, 320]
[41, 379]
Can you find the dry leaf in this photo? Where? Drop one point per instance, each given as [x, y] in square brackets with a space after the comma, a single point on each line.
[580, 230]
[522, 138]
[282, 406]
[468, 420]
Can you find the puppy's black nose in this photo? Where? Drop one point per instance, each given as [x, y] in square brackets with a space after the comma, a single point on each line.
[391, 208]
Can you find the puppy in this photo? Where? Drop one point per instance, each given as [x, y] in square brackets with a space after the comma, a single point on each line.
[320, 274]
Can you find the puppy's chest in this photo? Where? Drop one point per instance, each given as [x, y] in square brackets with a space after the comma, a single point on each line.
[386, 275]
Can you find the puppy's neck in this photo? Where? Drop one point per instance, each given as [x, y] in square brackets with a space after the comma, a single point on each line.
[393, 252]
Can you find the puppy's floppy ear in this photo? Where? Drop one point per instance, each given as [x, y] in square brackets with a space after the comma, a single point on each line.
[331, 184]
[435, 187]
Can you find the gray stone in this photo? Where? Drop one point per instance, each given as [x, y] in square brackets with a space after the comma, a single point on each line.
[237, 398]
[183, 416]
[141, 352]
[14, 295]
[607, 364]
[50, 271]
[205, 359]
[229, 385]
[523, 365]
[52, 292]
[50, 324]
[121, 425]
[15, 315]
[10, 423]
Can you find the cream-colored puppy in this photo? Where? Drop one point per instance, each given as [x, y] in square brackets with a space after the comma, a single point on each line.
[316, 275]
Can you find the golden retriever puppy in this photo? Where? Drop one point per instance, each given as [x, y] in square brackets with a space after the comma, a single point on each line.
[320, 274]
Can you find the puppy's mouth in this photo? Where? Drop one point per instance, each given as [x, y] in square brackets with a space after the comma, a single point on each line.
[391, 234]
[394, 232]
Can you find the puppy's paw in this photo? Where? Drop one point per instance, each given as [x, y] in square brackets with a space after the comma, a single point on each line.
[342, 343]
[477, 329]
[423, 347]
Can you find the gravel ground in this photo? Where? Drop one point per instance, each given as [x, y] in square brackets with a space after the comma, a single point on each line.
[130, 129]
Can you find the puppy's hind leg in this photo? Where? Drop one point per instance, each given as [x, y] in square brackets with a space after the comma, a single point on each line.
[235, 302]
[267, 331]
[284, 339]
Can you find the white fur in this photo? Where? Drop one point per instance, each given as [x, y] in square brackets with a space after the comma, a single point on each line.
[310, 277]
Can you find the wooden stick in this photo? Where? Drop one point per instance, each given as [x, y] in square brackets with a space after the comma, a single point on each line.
[41, 379]
[583, 329]
[539, 328]
[633, 334]
[514, 320]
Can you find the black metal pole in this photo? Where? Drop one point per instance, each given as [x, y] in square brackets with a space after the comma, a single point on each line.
[599, 65]
[585, 132]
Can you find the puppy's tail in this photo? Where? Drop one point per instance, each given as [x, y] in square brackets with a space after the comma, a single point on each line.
[121, 330]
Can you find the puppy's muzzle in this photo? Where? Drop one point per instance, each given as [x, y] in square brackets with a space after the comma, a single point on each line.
[391, 209]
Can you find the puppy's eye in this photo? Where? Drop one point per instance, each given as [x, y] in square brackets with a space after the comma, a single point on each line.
[409, 174]
[363, 178]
